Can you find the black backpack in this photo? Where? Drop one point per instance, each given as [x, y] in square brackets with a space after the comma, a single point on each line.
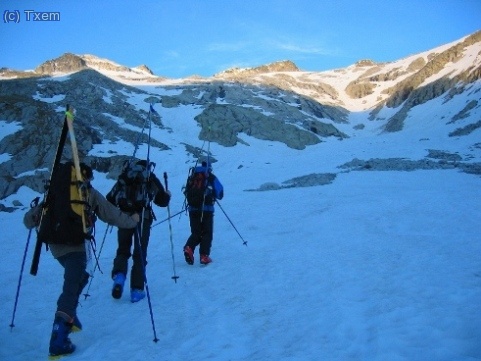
[196, 191]
[61, 222]
[132, 192]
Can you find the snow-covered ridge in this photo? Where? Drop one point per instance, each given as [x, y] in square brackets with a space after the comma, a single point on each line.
[105, 66]
[359, 87]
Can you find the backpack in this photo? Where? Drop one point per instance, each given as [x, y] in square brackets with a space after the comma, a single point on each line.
[131, 192]
[197, 192]
[61, 222]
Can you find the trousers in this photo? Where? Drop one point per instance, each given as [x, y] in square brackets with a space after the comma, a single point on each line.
[75, 278]
[127, 237]
[202, 230]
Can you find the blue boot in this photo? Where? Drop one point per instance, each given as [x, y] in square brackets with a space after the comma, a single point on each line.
[136, 295]
[60, 344]
[119, 280]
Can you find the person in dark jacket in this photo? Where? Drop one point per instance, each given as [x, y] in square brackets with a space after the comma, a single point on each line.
[73, 259]
[202, 218]
[127, 236]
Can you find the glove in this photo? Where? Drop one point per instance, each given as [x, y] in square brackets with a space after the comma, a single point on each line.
[32, 217]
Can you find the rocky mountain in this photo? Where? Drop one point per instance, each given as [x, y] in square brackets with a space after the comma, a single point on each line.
[71, 63]
[245, 73]
[438, 89]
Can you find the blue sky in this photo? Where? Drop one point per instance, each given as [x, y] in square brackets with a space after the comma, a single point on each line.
[178, 38]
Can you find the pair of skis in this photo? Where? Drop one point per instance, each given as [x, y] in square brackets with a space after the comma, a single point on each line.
[67, 128]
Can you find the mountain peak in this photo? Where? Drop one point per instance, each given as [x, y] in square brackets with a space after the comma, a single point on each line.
[71, 63]
[145, 69]
[278, 66]
[365, 62]
[283, 65]
[67, 63]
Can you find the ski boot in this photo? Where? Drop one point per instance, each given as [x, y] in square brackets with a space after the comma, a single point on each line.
[136, 295]
[205, 259]
[189, 255]
[60, 344]
[119, 280]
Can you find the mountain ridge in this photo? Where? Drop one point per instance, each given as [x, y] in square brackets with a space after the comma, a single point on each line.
[407, 74]
[436, 91]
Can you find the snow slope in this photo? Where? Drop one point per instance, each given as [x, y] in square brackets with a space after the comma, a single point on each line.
[374, 266]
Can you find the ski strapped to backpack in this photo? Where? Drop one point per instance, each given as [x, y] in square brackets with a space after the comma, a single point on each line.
[82, 193]
[67, 217]
[46, 196]
[68, 191]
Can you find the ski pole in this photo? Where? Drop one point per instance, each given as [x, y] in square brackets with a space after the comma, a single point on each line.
[169, 218]
[33, 204]
[97, 263]
[136, 146]
[206, 178]
[139, 230]
[245, 242]
[174, 277]
[137, 237]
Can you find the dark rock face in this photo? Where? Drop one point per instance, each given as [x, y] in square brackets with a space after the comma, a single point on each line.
[36, 104]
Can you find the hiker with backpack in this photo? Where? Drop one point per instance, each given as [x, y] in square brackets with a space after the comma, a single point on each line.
[201, 191]
[135, 190]
[62, 230]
